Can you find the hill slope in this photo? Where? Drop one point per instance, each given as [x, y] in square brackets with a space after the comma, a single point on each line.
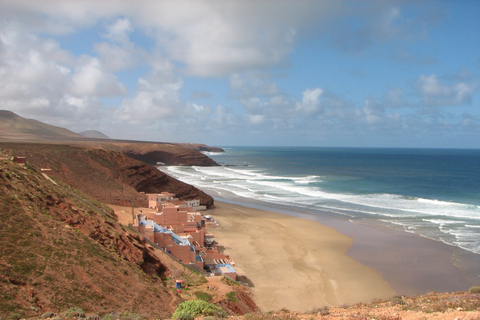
[13, 126]
[59, 248]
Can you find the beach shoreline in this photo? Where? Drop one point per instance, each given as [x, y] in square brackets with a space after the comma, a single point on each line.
[370, 260]
[294, 264]
[300, 260]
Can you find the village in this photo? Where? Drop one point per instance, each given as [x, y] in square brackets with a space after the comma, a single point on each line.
[180, 229]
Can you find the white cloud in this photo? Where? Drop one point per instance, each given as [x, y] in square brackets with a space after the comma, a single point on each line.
[310, 102]
[91, 79]
[210, 38]
[157, 96]
[247, 42]
[41, 80]
[372, 112]
[256, 119]
[119, 30]
[434, 93]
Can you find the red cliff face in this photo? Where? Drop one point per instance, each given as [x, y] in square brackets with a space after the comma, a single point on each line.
[167, 153]
[108, 176]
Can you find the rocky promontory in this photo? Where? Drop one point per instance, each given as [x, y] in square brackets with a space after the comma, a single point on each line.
[106, 175]
[156, 153]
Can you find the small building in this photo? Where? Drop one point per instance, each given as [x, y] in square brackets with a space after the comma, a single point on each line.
[179, 246]
[155, 199]
[20, 160]
[227, 270]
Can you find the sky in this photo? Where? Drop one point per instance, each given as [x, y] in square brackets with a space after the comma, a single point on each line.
[252, 73]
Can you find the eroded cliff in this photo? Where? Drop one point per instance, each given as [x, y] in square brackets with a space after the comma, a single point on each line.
[106, 175]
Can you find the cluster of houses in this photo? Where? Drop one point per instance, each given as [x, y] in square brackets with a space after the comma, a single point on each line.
[179, 228]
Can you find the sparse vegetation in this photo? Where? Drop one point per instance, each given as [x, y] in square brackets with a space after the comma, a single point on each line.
[229, 281]
[231, 296]
[440, 303]
[123, 316]
[197, 307]
[203, 296]
[321, 311]
[74, 312]
[474, 290]
[270, 316]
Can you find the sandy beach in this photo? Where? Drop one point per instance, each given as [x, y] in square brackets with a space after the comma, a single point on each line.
[303, 261]
[294, 263]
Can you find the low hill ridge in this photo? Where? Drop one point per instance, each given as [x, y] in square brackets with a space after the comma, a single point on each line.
[14, 128]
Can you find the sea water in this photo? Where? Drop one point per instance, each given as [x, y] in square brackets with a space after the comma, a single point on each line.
[434, 193]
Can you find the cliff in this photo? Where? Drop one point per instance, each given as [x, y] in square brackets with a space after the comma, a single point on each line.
[107, 176]
[165, 153]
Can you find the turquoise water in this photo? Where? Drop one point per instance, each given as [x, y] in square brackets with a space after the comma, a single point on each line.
[432, 192]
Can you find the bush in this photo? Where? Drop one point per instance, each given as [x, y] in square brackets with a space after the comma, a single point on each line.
[203, 296]
[397, 300]
[197, 307]
[474, 290]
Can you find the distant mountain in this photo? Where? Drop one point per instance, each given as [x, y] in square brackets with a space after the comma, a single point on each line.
[14, 127]
[93, 134]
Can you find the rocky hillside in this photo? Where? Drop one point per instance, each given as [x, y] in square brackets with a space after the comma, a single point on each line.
[61, 249]
[107, 176]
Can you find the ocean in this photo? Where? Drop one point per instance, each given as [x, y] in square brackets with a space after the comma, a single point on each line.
[434, 193]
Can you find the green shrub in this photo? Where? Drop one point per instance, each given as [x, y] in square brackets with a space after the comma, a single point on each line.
[197, 307]
[203, 296]
[231, 296]
[474, 290]
[397, 300]
[74, 312]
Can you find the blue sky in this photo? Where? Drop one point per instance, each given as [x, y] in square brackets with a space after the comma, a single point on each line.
[307, 73]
